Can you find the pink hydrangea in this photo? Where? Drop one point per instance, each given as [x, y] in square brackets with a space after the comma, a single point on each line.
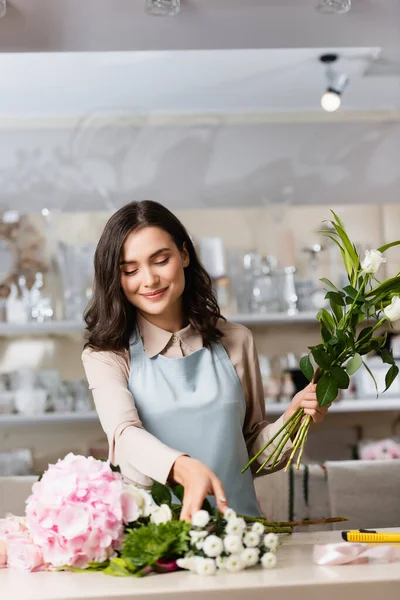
[23, 553]
[74, 513]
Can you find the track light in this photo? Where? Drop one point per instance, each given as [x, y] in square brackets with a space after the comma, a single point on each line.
[331, 99]
[3, 8]
[162, 8]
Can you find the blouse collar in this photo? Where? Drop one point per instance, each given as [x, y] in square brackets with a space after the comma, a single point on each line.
[155, 339]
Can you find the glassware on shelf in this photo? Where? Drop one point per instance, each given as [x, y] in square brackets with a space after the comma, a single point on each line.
[76, 268]
[288, 293]
[162, 8]
[265, 291]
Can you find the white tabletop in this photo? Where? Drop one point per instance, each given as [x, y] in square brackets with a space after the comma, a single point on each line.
[295, 577]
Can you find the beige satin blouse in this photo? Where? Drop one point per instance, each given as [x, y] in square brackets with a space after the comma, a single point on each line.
[142, 457]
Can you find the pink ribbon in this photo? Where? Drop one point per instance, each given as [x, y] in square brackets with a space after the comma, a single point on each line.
[356, 554]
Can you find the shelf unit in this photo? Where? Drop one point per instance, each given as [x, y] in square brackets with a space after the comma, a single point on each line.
[361, 405]
[77, 327]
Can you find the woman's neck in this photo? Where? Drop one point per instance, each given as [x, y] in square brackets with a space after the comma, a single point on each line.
[174, 320]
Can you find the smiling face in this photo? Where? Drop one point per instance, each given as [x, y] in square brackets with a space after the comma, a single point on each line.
[152, 275]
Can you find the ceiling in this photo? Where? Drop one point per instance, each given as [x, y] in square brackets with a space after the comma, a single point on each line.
[92, 25]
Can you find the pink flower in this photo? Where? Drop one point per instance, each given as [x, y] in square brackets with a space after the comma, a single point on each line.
[3, 553]
[75, 512]
[12, 524]
[23, 553]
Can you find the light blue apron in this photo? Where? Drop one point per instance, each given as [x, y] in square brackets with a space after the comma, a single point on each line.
[196, 405]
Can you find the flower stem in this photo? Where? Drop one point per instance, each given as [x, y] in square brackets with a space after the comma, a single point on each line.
[296, 443]
[303, 442]
[270, 441]
[290, 428]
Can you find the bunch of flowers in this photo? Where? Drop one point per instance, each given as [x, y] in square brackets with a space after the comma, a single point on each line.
[228, 543]
[340, 354]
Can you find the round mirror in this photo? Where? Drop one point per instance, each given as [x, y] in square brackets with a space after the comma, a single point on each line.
[7, 258]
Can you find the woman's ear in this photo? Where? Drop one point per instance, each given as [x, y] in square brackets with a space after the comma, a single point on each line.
[185, 255]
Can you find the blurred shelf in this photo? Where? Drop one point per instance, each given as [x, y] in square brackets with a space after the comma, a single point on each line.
[50, 418]
[77, 327]
[346, 406]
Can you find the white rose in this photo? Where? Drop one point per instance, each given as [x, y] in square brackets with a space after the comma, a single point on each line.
[235, 526]
[213, 546]
[161, 514]
[251, 539]
[135, 503]
[250, 556]
[372, 261]
[234, 563]
[271, 541]
[200, 518]
[233, 544]
[229, 514]
[206, 566]
[257, 528]
[268, 560]
[392, 311]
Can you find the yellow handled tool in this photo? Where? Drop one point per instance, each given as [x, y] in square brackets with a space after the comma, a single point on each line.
[370, 536]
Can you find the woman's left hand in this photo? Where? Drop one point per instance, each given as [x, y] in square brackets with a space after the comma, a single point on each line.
[307, 399]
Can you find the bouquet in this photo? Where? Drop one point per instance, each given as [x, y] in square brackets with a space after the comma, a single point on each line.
[82, 517]
[340, 354]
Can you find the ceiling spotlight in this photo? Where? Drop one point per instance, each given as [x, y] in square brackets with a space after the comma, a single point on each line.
[331, 99]
[162, 8]
[333, 7]
[3, 7]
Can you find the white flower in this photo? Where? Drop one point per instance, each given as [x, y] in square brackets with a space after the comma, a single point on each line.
[257, 528]
[251, 539]
[196, 536]
[229, 514]
[161, 514]
[271, 541]
[235, 526]
[206, 566]
[233, 544]
[199, 545]
[213, 546]
[250, 556]
[372, 261]
[135, 503]
[234, 563]
[268, 560]
[220, 561]
[392, 311]
[200, 518]
[186, 563]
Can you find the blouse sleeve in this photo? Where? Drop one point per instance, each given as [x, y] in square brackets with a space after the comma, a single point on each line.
[256, 429]
[140, 456]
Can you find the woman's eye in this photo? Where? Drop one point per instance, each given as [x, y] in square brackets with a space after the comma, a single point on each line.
[162, 262]
[130, 272]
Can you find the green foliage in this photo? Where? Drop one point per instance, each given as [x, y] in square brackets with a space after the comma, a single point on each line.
[160, 494]
[306, 367]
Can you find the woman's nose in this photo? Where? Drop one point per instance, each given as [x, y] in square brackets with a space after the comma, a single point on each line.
[150, 278]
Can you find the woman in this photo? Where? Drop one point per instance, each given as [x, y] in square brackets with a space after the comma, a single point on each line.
[177, 388]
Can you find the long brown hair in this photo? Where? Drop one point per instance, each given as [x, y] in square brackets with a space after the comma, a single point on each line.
[110, 318]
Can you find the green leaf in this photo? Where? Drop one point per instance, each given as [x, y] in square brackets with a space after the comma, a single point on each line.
[118, 567]
[115, 468]
[322, 358]
[325, 317]
[337, 311]
[391, 376]
[348, 246]
[387, 356]
[350, 291]
[336, 297]
[373, 378]
[306, 367]
[329, 284]
[327, 390]
[365, 334]
[387, 246]
[179, 492]
[160, 494]
[354, 364]
[144, 546]
[341, 377]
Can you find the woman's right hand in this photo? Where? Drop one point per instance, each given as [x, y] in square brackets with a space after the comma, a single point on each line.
[197, 481]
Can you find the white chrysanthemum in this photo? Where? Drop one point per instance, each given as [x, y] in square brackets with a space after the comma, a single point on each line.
[235, 526]
[186, 563]
[199, 545]
[233, 544]
[250, 556]
[196, 536]
[271, 541]
[213, 546]
[258, 528]
[161, 514]
[200, 518]
[234, 563]
[229, 514]
[251, 539]
[206, 566]
[220, 561]
[268, 560]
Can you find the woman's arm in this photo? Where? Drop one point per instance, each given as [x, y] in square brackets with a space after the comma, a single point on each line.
[140, 456]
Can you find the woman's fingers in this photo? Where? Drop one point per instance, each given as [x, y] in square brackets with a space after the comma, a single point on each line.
[219, 493]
